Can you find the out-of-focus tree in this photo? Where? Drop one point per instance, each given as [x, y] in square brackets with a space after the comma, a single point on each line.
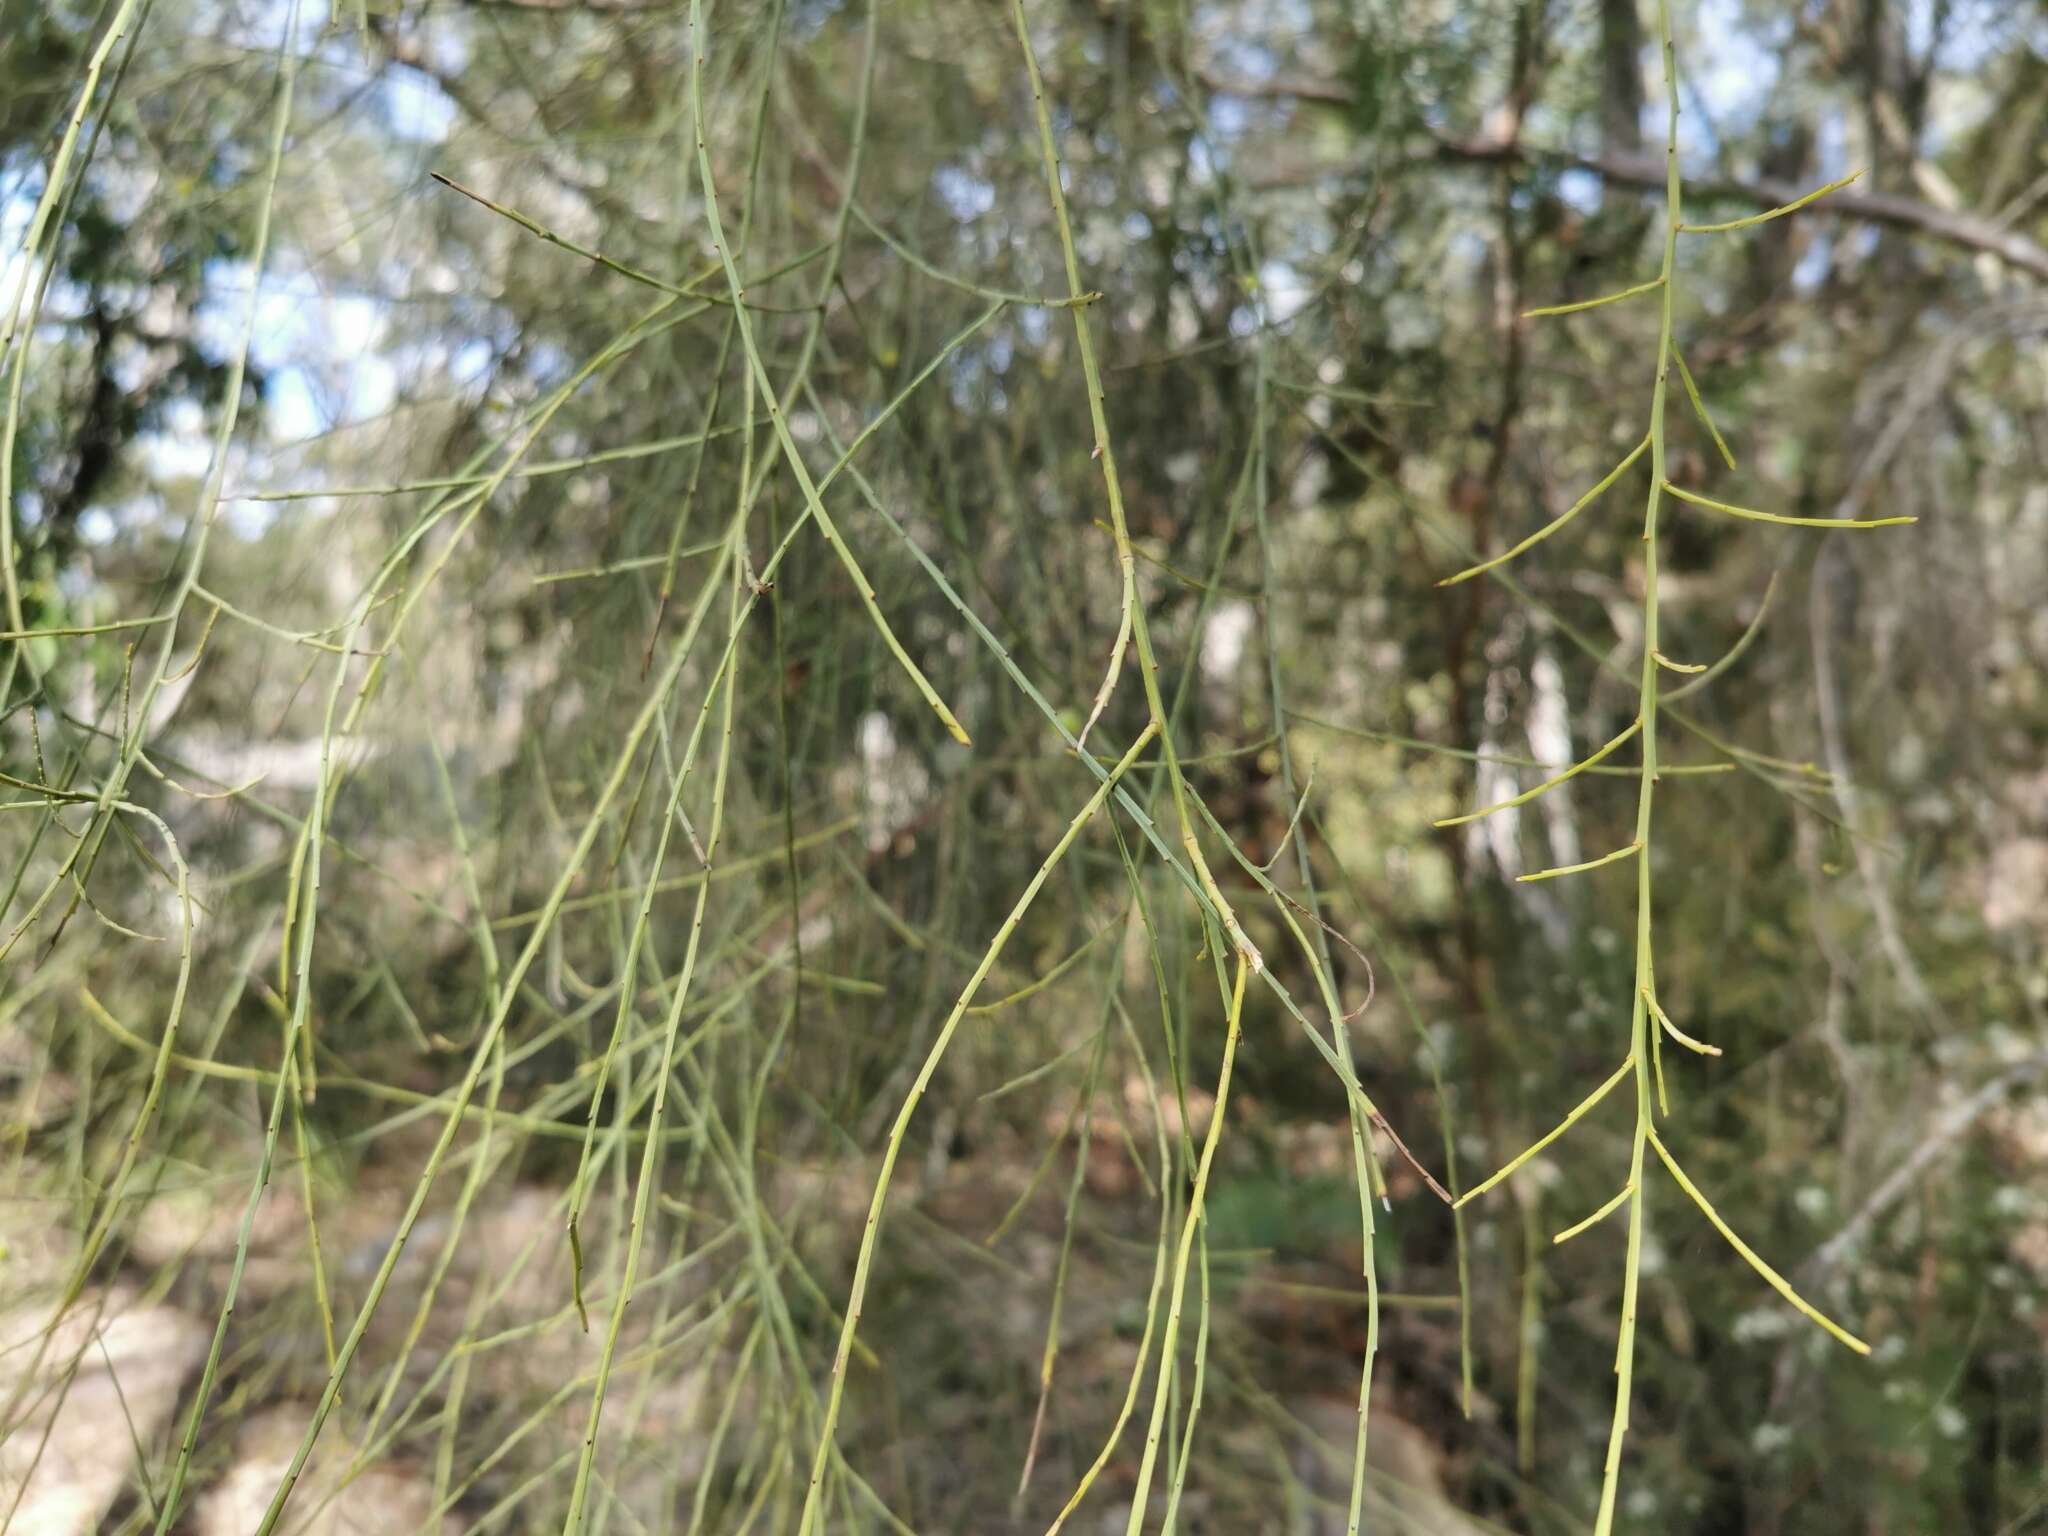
[584, 879]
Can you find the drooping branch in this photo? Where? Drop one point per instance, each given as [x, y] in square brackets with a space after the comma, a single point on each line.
[1970, 231]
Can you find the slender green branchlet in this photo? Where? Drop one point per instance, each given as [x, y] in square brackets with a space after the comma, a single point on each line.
[1626, 851]
[1768, 214]
[1649, 1023]
[1554, 524]
[1584, 304]
[1778, 517]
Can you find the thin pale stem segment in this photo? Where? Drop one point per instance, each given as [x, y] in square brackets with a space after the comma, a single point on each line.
[1753, 515]
[871, 1232]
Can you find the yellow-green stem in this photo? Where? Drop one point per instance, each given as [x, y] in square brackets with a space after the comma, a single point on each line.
[1631, 1284]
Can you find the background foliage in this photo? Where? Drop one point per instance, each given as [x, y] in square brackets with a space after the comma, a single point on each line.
[390, 499]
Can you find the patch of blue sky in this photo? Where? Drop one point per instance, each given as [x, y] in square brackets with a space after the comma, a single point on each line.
[1580, 190]
[966, 196]
[1229, 116]
[1283, 291]
[1987, 28]
[17, 213]
[1831, 144]
[470, 362]
[323, 356]
[809, 17]
[414, 107]
[1973, 33]
[1732, 61]
[1814, 264]
[262, 26]
[222, 312]
[1229, 36]
[178, 451]
[292, 407]
[304, 400]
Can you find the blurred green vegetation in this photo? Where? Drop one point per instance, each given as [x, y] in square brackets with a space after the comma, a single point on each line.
[436, 539]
